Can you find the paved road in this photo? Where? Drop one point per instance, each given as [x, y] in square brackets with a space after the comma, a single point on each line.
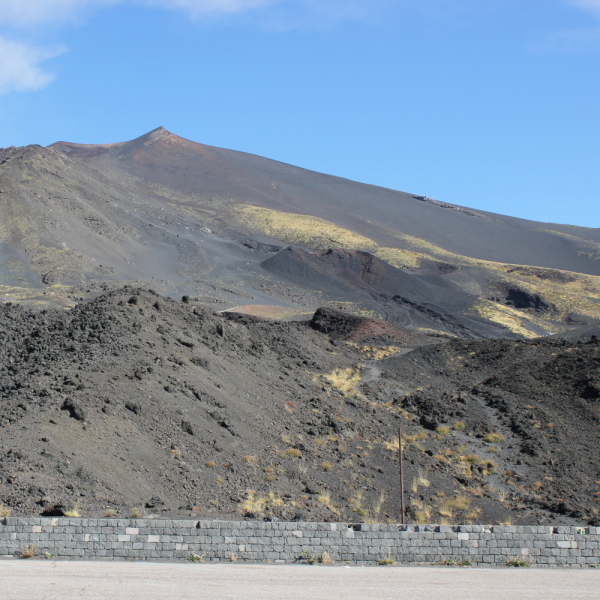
[47, 580]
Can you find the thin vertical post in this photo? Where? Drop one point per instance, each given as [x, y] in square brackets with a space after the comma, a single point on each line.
[401, 459]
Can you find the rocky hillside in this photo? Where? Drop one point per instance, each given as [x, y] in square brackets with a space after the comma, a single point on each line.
[136, 401]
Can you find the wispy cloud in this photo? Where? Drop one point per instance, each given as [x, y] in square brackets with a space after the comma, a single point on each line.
[28, 13]
[20, 68]
[593, 5]
[574, 39]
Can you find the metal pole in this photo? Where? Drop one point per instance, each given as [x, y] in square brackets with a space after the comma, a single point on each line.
[401, 459]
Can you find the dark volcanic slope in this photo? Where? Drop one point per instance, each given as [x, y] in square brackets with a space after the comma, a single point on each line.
[191, 219]
[164, 159]
[132, 399]
[411, 299]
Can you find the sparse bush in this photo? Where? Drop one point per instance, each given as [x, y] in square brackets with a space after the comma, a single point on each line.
[491, 468]
[196, 558]
[291, 453]
[466, 563]
[518, 561]
[326, 466]
[73, 512]
[310, 558]
[325, 499]
[458, 426]
[387, 561]
[233, 557]
[423, 515]
[327, 558]
[443, 430]
[5, 511]
[137, 512]
[459, 502]
[28, 551]
[422, 480]
[252, 504]
[392, 445]
[493, 438]
[472, 459]
[251, 460]
[110, 513]
[473, 515]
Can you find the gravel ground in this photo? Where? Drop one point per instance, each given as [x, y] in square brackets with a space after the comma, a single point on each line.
[155, 581]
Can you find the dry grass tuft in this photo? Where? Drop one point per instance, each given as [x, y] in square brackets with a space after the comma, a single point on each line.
[253, 504]
[5, 511]
[326, 466]
[472, 459]
[423, 516]
[251, 460]
[458, 426]
[325, 499]
[392, 445]
[387, 561]
[196, 558]
[493, 438]
[28, 551]
[327, 558]
[137, 512]
[518, 561]
[291, 453]
[109, 513]
[211, 464]
[443, 430]
[422, 479]
[73, 512]
[459, 502]
[345, 380]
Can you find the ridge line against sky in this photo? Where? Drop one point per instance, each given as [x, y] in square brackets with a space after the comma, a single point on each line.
[491, 105]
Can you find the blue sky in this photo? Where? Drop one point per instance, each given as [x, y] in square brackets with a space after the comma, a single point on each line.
[490, 104]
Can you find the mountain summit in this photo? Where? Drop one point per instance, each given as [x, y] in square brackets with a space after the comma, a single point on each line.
[205, 221]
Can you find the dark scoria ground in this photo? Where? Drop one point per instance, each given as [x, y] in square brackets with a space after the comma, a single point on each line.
[135, 400]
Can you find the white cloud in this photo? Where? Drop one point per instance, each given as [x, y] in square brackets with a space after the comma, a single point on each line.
[27, 13]
[593, 5]
[20, 66]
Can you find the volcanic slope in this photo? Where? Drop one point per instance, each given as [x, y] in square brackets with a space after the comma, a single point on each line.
[530, 278]
[410, 299]
[184, 218]
[135, 400]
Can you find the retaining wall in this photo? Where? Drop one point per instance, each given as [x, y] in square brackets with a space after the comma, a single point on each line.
[278, 542]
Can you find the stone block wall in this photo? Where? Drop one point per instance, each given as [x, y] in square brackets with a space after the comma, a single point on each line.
[277, 542]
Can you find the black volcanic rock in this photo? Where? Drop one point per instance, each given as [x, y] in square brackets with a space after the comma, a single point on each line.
[101, 410]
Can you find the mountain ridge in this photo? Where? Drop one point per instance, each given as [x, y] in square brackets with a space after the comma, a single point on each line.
[194, 219]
